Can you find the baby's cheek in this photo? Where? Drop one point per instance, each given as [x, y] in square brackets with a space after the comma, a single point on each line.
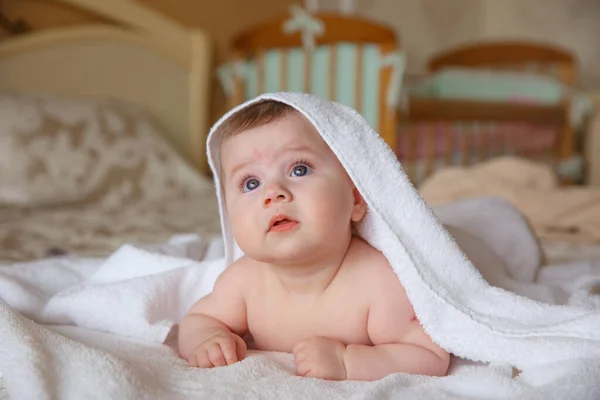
[333, 217]
[243, 230]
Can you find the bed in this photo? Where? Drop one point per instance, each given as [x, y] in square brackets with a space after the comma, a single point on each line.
[103, 131]
[505, 119]
[102, 134]
[495, 98]
[566, 219]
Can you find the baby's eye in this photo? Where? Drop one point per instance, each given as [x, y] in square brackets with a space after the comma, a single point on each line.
[300, 170]
[250, 184]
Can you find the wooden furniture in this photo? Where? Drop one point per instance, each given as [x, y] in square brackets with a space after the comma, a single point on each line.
[592, 146]
[511, 55]
[10, 27]
[138, 56]
[446, 131]
[350, 60]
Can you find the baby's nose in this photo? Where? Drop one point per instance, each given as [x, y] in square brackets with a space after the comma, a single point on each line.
[276, 194]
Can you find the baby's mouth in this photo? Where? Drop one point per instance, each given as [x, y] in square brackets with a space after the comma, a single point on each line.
[282, 223]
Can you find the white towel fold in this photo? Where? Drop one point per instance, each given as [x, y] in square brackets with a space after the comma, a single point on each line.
[116, 349]
[75, 328]
[119, 354]
[458, 308]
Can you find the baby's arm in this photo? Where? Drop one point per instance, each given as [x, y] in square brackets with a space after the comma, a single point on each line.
[211, 332]
[400, 343]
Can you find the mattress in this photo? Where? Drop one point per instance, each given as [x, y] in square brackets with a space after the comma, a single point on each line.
[563, 217]
[94, 230]
[565, 252]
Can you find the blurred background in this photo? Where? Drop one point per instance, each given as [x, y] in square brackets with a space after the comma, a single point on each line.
[424, 27]
[475, 97]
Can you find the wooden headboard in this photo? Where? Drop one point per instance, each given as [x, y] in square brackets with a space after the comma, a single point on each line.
[138, 56]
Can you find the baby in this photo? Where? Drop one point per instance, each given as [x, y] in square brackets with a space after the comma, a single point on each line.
[306, 285]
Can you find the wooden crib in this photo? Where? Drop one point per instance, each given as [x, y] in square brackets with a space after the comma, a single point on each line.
[352, 60]
[437, 132]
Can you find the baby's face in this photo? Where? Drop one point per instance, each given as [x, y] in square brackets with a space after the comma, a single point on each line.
[288, 197]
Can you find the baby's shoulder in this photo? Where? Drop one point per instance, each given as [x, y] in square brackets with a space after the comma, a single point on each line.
[370, 266]
[239, 273]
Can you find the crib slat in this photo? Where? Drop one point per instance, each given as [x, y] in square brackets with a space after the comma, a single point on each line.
[260, 72]
[448, 142]
[429, 150]
[473, 153]
[283, 80]
[525, 141]
[482, 135]
[359, 78]
[411, 150]
[331, 81]
[510, 140]
[307, 70]
[464, 144]
[239, 89]
[495, 139]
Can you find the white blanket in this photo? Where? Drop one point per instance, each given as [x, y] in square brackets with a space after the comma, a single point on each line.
[77, 328]
[103, 329]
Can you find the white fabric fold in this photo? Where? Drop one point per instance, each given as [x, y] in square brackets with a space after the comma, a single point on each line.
[459, 309]
[75, 328]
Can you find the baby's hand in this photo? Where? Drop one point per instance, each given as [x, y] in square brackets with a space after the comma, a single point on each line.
[219, 350]
[320, 357]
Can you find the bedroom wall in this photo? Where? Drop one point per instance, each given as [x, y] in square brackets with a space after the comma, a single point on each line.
[428, 26]
[425, 26]
[220, 18]
[44, 14]
[574, 24]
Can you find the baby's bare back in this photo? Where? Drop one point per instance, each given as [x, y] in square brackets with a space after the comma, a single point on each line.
[278, 320]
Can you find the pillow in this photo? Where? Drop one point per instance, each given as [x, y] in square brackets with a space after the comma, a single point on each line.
[504, 86]
[488, 85]
[60, 150]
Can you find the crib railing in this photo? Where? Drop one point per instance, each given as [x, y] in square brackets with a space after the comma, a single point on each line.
[439, 133]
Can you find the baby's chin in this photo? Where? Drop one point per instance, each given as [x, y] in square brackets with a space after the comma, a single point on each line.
[297, 255]
[281, 259]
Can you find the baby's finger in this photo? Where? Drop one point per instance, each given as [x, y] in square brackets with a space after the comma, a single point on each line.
[301, 356]
[202, 359]
[240, 347]
[216, 355]
[192, 361]
[302, 369]
[299, 346]
[228, 350]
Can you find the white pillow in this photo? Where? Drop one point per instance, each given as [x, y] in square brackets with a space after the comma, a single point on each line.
[57, 150]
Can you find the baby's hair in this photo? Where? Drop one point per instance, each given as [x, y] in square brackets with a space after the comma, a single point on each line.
[255, 115]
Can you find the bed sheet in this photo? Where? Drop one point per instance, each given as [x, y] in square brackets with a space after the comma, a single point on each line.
[559, 253]
[563, 217]
[463, 372]
[94, 230]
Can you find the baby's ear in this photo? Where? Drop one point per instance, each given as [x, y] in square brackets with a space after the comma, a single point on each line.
[360, 206]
